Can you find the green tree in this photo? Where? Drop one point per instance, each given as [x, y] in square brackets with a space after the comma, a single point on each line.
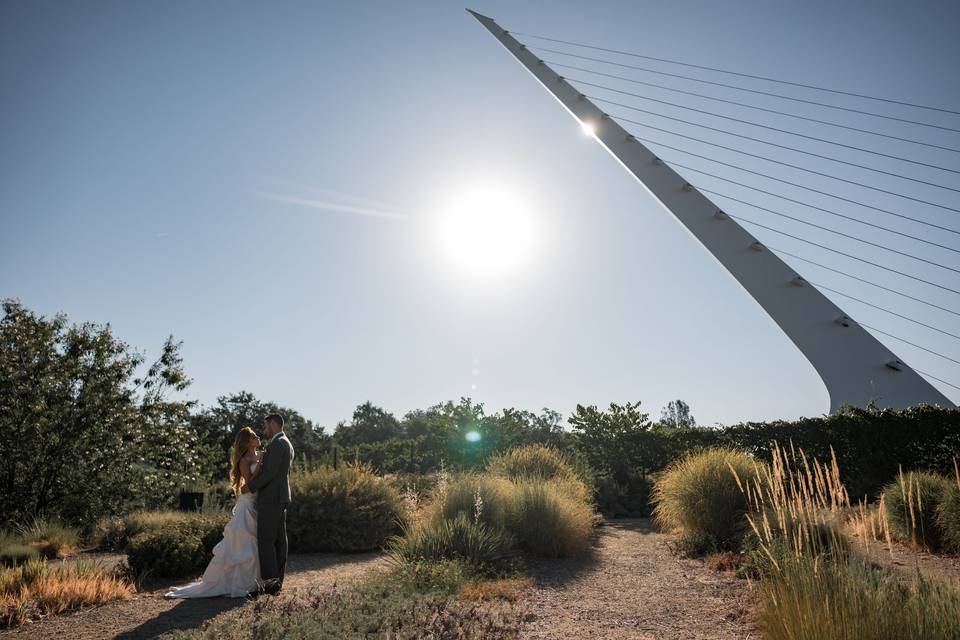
[618, 441]
[369, 424]
[217, 426]
[83, 436]
[676, 415]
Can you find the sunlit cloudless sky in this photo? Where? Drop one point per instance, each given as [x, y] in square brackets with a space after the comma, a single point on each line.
[156, 160]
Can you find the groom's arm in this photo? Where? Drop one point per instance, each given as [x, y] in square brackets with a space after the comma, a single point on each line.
[272, 465]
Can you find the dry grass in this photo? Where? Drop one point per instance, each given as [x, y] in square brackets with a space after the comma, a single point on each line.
[50, 538]
[36, 589]
[724, 561]
[508, 589]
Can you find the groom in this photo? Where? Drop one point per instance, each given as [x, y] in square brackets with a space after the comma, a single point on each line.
[272, 487]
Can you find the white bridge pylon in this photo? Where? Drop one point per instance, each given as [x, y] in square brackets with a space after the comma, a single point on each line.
[855, 367]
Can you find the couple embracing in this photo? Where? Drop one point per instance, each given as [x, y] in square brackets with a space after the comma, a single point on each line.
[252, 557]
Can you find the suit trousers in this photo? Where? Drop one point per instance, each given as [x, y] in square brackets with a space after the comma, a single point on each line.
[272, 541]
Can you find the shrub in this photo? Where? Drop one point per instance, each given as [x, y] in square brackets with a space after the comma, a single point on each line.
[949, 515]
[533, 462]
[913, 505]
[700, 496]
[115, 533]
[549, 522]
[479, 497]
[49, 537]
[180, 548]
[13, 551]
[345, 509]
[35, 589]
[462, 538]
[811, 599]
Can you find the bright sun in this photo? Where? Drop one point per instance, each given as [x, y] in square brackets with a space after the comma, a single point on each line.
[486, 231]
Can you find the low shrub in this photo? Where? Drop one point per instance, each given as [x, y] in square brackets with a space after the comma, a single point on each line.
[461, 538]
[629, 499]
[913, 506]
[13, 551]
[807, 598]
[51, 538]
[548, 521]
[180, 548]
[949, 515]
[485, 498]
[700, 496]
[35, 588]
[115, 533]
[533, 462]
[345, 509]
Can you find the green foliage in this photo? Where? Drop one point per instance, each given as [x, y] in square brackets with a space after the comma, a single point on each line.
[345, 509]
[550, 521]
[535, 462]
[810, 599]
[380, 608]
[423, 576]
[114, 532]
[699, 496]
[50, 538]
[461, 538]
[949, 516]
[216, 427]
[171, 547]
[676, 415]
[82, 436]
[14, 551]
[913, 505]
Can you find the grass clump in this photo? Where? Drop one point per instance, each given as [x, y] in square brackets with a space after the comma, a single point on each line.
[115, 533]
[14, 551]
[51, 538]
[36, 588]
[533, 462]
[949, 515]
[345, 509]
[811, 599]
[550, 522]
[914, 506]
[481, 497]
[461, 538]
[699, 497]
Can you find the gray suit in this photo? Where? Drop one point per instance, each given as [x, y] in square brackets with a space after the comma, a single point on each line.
[272, 487]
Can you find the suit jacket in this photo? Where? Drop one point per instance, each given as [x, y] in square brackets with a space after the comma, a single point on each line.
[272, 486]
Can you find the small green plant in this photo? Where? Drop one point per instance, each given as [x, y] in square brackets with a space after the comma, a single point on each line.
[913, 507]
[699, 497]
[462, 538]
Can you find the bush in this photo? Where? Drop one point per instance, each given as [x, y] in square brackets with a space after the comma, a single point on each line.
[49, 537]
[34, 589]
[115, 533]
[699, 496]
[949, 518]
[345, 509]
[480, 497]
[913, 506]
[811, 599]
[13, 551]
[630, 499]
[461, 538]
[549, 521]
[533, 462]
[180, 547]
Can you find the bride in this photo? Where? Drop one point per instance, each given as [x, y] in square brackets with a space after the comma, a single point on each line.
[234, 570]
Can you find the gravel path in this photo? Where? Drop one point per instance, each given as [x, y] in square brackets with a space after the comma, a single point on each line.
[635, 587]
[148, 614]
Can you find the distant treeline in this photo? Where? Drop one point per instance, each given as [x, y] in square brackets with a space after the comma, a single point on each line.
[90, 429]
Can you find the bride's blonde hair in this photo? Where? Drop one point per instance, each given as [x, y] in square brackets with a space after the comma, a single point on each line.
[240, 446]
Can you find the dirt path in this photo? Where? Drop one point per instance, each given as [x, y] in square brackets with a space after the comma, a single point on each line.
[633, 588]
[148, 614]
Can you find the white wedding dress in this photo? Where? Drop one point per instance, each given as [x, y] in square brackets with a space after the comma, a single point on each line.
[234, 570]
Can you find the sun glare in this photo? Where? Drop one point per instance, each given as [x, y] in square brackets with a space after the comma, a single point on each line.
[486, 232]
[588, 128]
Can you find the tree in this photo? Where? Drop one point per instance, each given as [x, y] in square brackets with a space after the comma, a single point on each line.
[84, 437]
[217, 426]
[677, 415]
[617, 441]
[370, 424]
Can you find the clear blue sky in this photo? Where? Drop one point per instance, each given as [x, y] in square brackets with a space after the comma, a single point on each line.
[155, 159]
